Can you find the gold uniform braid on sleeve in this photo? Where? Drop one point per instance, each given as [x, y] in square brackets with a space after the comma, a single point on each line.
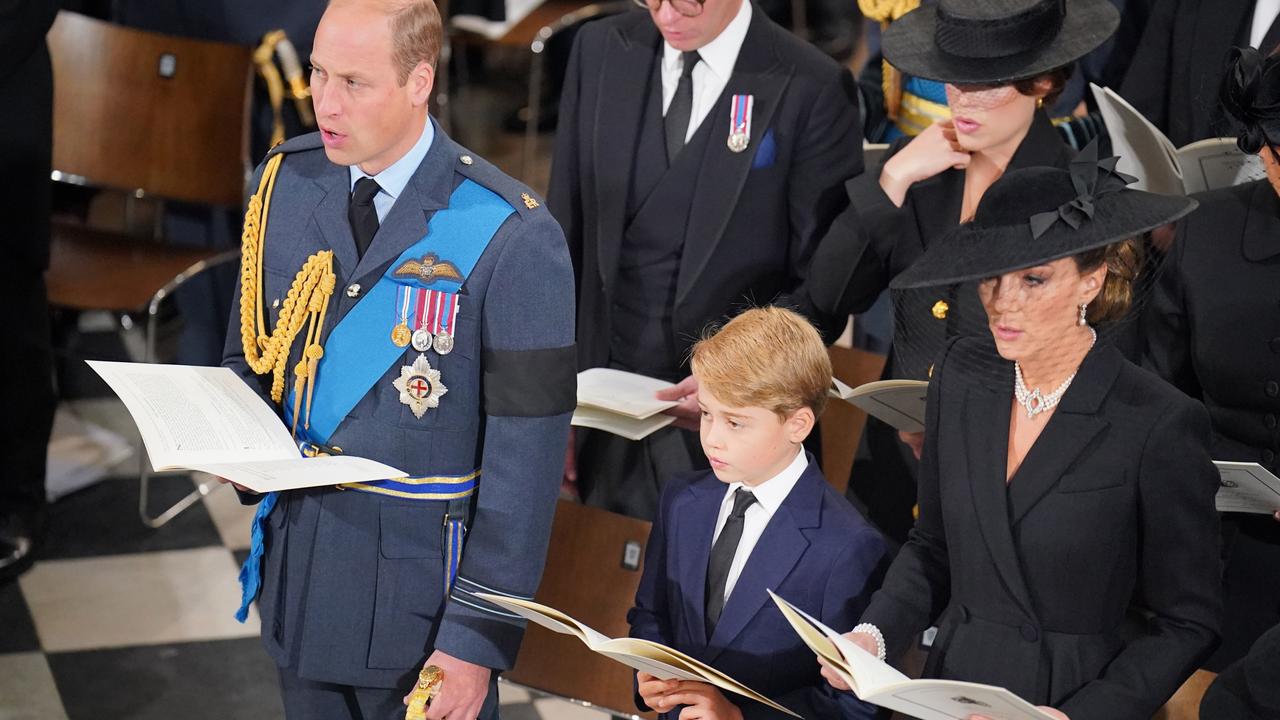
[885, 12]
[306, 303]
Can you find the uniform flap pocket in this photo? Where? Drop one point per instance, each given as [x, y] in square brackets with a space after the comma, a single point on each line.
[409, 531]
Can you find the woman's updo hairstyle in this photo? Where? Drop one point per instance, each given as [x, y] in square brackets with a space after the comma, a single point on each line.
[1251, 94]
[1124, 261]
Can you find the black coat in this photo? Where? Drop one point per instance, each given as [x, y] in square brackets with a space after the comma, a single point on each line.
[26, 130]
[1179, 62]
[1224, 268]
[754, 220]
[1029, 583]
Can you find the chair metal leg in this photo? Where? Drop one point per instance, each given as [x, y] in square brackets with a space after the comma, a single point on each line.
[144, 462]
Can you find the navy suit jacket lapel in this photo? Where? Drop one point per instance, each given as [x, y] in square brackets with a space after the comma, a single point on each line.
[760, 73]
[696, 516]
[772, 559]
[625, 71]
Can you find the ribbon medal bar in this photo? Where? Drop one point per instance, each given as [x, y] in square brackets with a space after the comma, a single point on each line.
[740, 122]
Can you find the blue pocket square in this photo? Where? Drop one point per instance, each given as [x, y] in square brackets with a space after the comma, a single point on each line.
[766, 153]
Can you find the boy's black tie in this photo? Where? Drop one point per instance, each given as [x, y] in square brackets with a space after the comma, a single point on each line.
[722, 556]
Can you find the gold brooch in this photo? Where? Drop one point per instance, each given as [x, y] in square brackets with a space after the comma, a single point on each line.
[940, 309]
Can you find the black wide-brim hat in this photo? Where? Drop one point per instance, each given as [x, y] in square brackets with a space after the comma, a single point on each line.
[1037, 215]
[995, 42]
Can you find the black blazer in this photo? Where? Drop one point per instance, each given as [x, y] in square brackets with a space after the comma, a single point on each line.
[1179, 62]
[873, 240]
[1030, 584]
[26, 131]
[1224, 268]
[754, 219]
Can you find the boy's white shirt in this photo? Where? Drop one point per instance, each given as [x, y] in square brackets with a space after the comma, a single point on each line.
[770, 495]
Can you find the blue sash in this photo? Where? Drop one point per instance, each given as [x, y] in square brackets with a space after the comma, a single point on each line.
[359, 350]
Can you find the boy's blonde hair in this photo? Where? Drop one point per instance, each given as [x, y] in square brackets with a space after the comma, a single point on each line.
[767, 357]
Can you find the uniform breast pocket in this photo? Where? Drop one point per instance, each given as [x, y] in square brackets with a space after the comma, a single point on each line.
[444, 386]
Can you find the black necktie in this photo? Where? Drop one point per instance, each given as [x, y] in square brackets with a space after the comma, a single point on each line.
[722, 556]
[362, 215]
[677, 119]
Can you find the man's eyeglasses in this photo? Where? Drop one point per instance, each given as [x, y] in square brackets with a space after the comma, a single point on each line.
[687, 8]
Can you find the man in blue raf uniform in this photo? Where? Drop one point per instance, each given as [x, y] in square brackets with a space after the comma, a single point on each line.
[434, 324]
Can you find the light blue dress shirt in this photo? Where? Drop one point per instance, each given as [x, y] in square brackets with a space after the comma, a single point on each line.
[396, 176]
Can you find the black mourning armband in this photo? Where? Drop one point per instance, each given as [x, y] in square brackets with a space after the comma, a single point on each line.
[531, 383]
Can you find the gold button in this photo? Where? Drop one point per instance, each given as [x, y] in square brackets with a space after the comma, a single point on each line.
[940, 309]
[353, 290]
[466, 160]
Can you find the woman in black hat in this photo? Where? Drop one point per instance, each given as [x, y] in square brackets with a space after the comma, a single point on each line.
[1000, 62]
[1060, 485]
[1213, 330]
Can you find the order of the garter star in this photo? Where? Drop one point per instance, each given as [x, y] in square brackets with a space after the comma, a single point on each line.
[419, 385]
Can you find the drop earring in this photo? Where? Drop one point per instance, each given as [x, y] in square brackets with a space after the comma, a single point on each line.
[1083, 308]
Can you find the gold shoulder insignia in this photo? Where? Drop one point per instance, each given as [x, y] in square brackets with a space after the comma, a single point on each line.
[428, 270]
[529, 202]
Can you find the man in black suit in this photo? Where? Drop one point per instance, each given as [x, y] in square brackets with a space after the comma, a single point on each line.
[1179, 61]
[701, 153]
[26, 142]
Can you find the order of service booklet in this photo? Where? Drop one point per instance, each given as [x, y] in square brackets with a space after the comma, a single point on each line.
[621, 403]
[899, 403]
[1246, 487]
[645, 656]
[877, 682]
[208, 419]
[1148, 154]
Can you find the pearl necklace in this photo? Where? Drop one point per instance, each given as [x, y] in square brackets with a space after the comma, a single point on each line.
[1036, 402]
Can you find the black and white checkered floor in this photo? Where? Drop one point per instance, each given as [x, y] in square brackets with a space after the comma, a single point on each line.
[117, 620]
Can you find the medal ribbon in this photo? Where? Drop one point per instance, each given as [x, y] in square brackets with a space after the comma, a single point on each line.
[740, 114]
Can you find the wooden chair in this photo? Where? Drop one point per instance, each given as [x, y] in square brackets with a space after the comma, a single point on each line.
[151, 116]
[586, 578]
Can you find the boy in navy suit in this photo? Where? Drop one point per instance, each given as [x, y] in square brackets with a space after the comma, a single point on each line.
[763, 518]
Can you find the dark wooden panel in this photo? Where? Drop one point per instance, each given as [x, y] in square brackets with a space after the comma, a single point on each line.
[841, 422]
[119, 123]
[585, 578]
[97, 270]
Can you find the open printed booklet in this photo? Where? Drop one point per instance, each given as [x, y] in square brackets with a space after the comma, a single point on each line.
[621, 403]
[645, 656]
[877, 682]
[207, 419]
[899, 403]
[1247, 487]
[1147, 153]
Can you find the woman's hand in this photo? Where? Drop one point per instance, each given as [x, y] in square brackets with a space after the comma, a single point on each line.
[687, 413]
[864, 640]
[928, 154]
[913, 440]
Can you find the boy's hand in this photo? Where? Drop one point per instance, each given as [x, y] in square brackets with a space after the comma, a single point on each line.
[238, 486]
[688, 415]
[702, 701]
[652, 690]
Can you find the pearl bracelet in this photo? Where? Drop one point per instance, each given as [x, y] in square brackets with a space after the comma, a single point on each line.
[874, 632]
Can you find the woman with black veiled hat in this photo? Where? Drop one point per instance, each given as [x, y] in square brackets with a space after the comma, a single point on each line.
[1060, 484]
[1000, 61]
[1213, 330]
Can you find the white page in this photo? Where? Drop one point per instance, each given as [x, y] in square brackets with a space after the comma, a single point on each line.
[296, 473]
[1247, 487]
[622, 392]
[1143, 150]
[899, 403]
[515, 11]
[950, 700]
[620, 425]
[190, 415]
[1217, 163]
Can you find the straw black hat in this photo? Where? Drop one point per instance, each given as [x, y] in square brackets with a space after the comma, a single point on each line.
[1037, 215]
[993, 42]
